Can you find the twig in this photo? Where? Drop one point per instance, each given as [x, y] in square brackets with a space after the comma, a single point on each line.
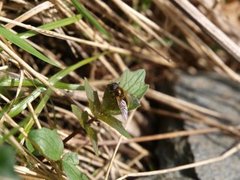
[209, 27]
[153, 94]
[35, 10]
[162, 136]
[117, 147]
[42, 78]
[225, 155]
[103, 46]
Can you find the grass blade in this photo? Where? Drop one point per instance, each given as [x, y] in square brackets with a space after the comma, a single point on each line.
[81, 9]
[23, 104]
[51, 25]
[21, 43]
[14, 82]
[58, 76]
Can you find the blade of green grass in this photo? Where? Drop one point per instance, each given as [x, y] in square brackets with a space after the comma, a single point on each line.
[61, 74]
[51, 25]
[23, 104]
[61, 85]
[14, 82]
[29, 120]
[21, 43]
[81, 9]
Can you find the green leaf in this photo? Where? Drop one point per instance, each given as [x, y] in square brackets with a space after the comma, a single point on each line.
[47, 142]
[76, 111]
[71, 158]
[18, 108]
[133, 102]
[93, 99]
[21, 43]
[83, 118]
[89, 90]
[79, 114]
[69, 162]
[133, 82]
[114, 123]
[93, 137]
[82, 10]
[52, 25]
[7, 161]
[72, 172]
[95, 107]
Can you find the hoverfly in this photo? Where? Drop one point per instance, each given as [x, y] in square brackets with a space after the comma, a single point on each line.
[121, 98]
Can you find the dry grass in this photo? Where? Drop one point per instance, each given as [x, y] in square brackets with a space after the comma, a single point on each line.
[161, 38]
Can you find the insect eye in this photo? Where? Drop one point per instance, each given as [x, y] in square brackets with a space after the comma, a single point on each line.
[113, 86]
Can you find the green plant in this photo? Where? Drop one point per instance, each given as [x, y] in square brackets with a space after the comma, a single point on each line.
[47, 142]
[134, 88]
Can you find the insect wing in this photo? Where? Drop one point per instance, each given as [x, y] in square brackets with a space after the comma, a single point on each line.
[123, 108]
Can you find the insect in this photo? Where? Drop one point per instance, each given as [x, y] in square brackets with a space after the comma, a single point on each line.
[121, 98]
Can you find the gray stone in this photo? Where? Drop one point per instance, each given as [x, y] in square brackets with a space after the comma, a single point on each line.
[223, 95]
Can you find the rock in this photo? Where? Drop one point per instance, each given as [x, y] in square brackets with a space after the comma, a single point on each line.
[223, 95]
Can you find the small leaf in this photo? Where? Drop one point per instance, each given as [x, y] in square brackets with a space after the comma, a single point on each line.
[47, 142]
[83, 118]
[93, 137]
[71, 158]
[95, 106]
[78, 113]
[133, 102]
[115, 123]
[89, 90]
[141, 91]
[93, 99]
[71, 171]
[7, 161]
[133, 82]
[21, 43]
